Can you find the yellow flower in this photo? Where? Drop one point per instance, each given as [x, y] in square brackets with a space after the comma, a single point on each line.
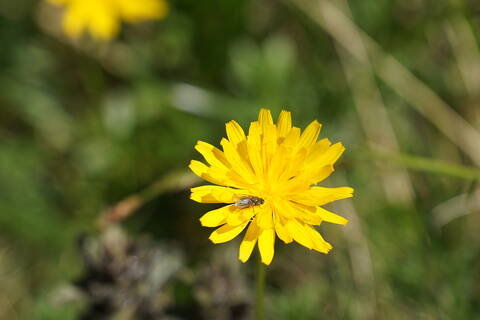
[268, 178]
[102, 18]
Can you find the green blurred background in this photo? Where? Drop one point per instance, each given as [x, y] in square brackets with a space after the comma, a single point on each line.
[85, 126]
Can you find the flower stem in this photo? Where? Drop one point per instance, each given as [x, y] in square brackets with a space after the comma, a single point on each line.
[260, 304]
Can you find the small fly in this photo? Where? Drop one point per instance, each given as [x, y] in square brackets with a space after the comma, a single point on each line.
[248, 202]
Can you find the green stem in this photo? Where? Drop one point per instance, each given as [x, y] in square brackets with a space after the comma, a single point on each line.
[260, 305]
[427, 164]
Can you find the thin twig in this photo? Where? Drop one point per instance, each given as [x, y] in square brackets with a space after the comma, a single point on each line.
[177, 180]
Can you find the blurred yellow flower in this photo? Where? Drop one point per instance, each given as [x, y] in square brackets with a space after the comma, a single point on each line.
[102, 18]
[268, 178]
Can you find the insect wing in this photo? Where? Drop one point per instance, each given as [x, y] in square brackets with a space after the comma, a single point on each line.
[243, 202]
[237, 197]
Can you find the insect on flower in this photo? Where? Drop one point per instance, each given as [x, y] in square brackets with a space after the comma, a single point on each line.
[248, 201]
[268, 180]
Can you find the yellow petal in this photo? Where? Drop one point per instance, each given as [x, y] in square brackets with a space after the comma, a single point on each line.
[249, 241]
[242, 150]
[264, 118]
[216, 217]
[235, 132]
[103, 23]
[217, 175]
[198, 167]
[309, 135]
[318, 196]
[264, 216]
[331, 155]
[321, 174]
[266, 244]
[284, 123]
[237, 137]
[309, 177]
[138, 10]
[306, 214]
[318, 150]
[201, 170]
[226, 233]
[306, 179]
[215, 194]
[311, 215]
[75, 21]
[293, 168]
[327, 158]
[319, 244]
[281, 230]
[227, 177]
[240, 216]
[237, 163]
[330, 216]
[269, 143]
[299, 234]
[255, 148]
[284, 209]
[212, 155]
[278, 164]
[292, 138]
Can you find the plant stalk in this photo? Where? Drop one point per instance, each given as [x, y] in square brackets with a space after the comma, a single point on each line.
[260, 298]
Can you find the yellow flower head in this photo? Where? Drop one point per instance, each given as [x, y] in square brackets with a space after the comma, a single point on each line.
[102, 18]
[268, 178]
